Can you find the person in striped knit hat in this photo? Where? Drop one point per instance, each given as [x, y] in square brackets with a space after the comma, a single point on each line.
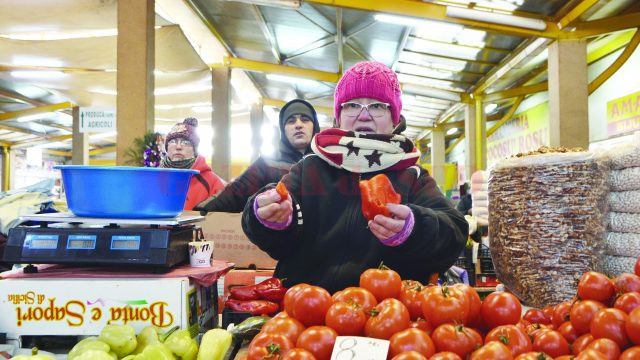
[319, 234]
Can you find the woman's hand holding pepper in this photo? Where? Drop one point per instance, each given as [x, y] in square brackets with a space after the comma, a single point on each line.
[271, 208]
[384, 227]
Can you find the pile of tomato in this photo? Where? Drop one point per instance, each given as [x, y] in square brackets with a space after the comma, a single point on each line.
[451, 322]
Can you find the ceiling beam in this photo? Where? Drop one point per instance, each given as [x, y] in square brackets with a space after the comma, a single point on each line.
[481, 48]
[432, 67]
[575, 13]
[472, 61]
[36, 110]
[280, 103]
[506, 116]
[613, 44]
[519, 91]
[431, 11]
[339, 40]
[607, 25]
[265, 67]
[273, 42]
[617, 64]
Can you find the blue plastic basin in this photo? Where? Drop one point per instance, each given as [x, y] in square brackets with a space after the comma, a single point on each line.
[124, 191]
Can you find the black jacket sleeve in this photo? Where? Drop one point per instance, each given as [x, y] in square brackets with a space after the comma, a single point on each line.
[440, 231]
[277, 243]
[235, 195]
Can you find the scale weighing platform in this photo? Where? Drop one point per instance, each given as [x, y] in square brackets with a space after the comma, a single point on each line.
[63, 238]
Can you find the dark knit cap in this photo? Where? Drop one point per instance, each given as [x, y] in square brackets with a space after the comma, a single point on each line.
[186, 130]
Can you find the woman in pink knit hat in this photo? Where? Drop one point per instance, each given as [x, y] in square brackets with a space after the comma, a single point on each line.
[319, 234]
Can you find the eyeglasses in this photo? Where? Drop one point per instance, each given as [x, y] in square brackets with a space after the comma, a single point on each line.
[376, 109]
[182, 142]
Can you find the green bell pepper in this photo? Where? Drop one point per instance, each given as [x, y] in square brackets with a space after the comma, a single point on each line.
[182, 345]
[155, 352]
[121, 339]
[214, 344]
[90, 343]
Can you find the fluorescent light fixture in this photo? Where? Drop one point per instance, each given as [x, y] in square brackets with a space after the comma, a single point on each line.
[495, 18]
[36, 74]
[431, 25]
[164, 107]
[104, 91]
[103, 135]
[288, 4]
[206, 108]
[292, 80]
[182, 89]
[43, 115]
[61, 35]
[452, 131]
[490, 108]
[36, 61]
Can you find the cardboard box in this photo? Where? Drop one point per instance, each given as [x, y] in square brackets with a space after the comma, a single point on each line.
[239, 278]
[83, 306]
[231, 244]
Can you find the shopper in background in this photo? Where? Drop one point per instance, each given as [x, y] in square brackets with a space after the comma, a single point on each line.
[464, 205]
[327, 241]
[182, 153]
[298, 125]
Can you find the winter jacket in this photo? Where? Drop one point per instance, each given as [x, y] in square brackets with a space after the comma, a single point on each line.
[198, 191]
[263, 171]
[328, 243]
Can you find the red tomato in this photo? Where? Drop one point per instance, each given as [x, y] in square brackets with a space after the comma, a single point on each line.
[409, 355]
[610, 324]
[626, 282]
[360, 296]
[345, 319]
[310, 305]
[532, 355]
[515, 338]
[500, 308]
[457, 339]
[568, 332]
[552, 344]
[290, 295]
[627, 302]
[590, 354]
[561, 313]
[581, 314]
[287, 326]
[633, 326]
[410, 297]
[422, 324]
[318, 340]
[444, 304]
[632, 353]
[636, 269]
[537, 332]
[581, 343]
[445, 355]
[536, 316]
[606, 347]
[268, 347]
[474, 302]
[383, 283]
[548, 312]
[388, 317]
[563, 357]
[596, 286]
[336, 296]
[494, 350]
[298, 354]
[411, 340]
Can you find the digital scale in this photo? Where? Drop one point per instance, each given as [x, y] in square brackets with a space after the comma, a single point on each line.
[63, 238]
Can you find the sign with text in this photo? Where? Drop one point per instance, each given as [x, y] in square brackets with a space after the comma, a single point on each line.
[526, 131]
[97, 120]
[359, 348]
[623, 115]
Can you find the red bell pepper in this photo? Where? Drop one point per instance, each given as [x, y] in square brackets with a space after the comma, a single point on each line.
[282, 190]
[269, 289]
[376, 194]
[255, 307]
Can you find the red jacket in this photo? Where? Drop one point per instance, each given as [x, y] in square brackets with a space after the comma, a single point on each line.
[197, 191]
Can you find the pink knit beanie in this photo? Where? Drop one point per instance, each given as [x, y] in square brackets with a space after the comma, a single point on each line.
[369, 79]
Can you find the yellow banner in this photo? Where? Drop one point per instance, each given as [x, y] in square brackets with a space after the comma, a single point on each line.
[623, 114]
[526, 131]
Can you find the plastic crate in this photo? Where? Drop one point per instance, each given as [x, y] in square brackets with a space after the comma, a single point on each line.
[484, 252]
[233, 317]
[486, 266]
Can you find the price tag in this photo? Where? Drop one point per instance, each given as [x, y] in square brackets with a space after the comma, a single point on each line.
[359, 348]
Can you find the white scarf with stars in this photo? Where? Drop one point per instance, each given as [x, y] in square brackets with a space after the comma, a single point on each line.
[364, 153]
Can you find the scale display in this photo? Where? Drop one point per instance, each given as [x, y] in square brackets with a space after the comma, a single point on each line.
[81, 242]
[125, 242]
[41, 241]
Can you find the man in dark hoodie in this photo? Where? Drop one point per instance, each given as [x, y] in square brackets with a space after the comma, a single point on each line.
[298, 125]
